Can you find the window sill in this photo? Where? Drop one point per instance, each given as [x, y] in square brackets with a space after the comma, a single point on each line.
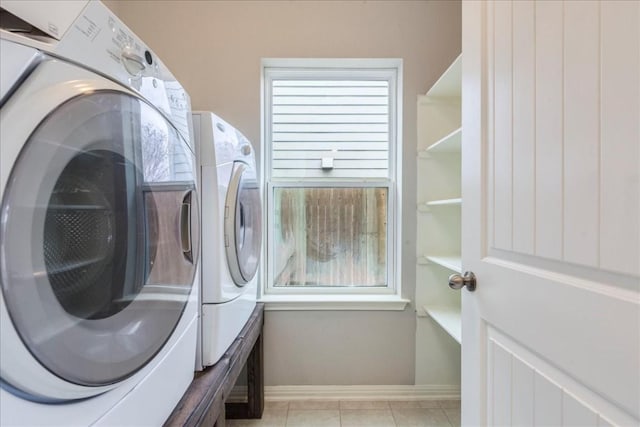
[333, 302]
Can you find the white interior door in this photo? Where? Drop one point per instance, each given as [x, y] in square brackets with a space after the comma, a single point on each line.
[551, 152]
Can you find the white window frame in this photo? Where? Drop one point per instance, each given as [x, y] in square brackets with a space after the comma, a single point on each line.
[339, 297]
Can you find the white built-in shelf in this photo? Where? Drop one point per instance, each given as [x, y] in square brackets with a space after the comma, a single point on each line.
[449, 318]
[450, 262]
[426, 207]
[423, 208]
[450, 83]
[450, 143]
[445, 202]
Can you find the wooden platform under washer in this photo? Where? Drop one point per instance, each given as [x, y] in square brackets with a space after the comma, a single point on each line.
[203, 404]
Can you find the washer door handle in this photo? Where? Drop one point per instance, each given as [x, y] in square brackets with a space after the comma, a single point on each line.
[185, 227]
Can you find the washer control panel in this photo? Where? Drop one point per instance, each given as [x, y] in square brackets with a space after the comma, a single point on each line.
[97, 39]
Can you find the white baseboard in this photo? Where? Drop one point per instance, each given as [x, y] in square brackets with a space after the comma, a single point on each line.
[362, 392]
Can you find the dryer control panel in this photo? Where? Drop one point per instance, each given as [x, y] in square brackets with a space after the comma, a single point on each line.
[231, 144]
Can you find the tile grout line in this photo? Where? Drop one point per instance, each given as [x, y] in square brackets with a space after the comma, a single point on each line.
[393, 415]
[448, 419]
[446, 414]
[286, 419]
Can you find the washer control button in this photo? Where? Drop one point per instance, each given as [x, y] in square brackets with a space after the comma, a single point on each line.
[133, 63]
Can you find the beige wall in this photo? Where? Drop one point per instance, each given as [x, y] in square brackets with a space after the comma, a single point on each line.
[215, 48]
[114, 5]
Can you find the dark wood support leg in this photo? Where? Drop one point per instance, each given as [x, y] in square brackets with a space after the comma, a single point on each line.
[254, 405]
[255, 376]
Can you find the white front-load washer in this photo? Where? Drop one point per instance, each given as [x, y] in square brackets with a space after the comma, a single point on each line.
[99, 224]
[231, 233]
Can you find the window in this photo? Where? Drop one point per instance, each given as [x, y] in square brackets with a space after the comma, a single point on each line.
[330, 164]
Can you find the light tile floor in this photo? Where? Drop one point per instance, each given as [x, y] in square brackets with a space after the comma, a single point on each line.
[347, 413]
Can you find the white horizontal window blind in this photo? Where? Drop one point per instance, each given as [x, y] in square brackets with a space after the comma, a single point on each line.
[330, 128]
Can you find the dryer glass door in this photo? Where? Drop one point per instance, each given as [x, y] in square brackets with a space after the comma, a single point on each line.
[98, 239]
[243, 224]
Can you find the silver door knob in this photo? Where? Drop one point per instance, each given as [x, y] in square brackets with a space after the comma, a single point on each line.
[457, 281]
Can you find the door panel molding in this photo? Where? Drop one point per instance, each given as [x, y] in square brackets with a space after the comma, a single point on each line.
[520, 377]
[561, 125]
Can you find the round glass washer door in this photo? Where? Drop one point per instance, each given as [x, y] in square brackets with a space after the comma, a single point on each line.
[95, 240]
[243, 224]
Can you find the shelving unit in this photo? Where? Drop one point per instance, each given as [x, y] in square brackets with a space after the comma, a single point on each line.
[439, 201]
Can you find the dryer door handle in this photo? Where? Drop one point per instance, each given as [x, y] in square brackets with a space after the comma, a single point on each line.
[185, 227]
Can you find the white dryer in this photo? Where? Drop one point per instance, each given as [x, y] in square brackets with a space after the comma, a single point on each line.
[98, 239]
[231, 233]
